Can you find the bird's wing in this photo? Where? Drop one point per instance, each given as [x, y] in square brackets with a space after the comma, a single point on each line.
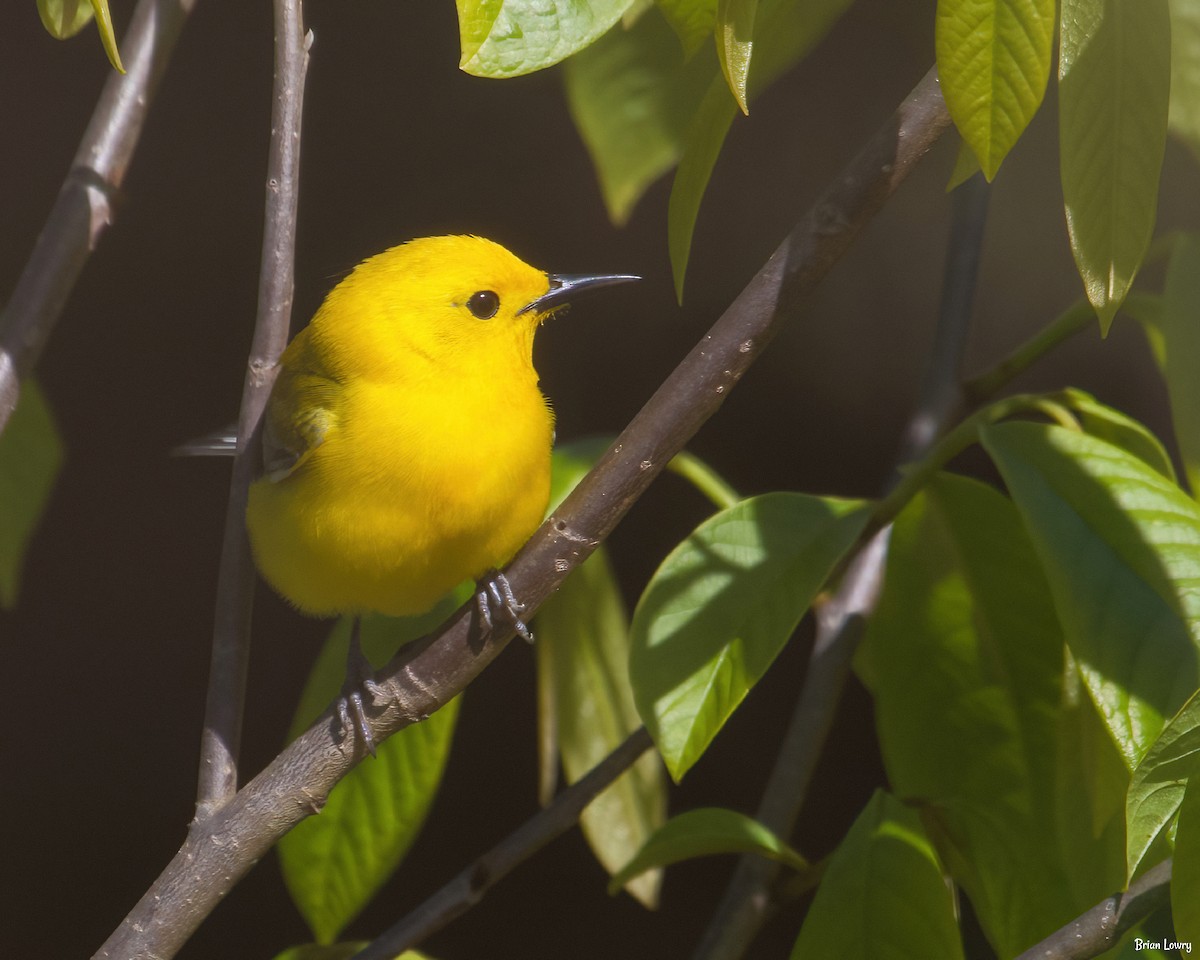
[301, 412]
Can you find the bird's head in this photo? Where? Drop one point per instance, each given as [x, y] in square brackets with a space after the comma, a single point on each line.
[456, 302]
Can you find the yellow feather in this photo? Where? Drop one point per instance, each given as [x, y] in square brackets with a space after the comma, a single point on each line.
[408, 445]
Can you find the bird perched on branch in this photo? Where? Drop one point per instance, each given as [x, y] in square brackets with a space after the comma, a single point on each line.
[406, 443]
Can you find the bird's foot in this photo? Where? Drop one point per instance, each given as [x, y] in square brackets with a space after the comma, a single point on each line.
[351, 705]
[495, 598]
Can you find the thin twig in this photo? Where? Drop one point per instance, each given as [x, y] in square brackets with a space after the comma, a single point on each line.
[841, 620]
[1099, 929]
[86, 200]
[428, 673]
[469, 887]
[225, 704]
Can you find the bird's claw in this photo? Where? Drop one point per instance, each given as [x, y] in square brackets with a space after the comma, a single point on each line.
[351, 706]
[495, 597]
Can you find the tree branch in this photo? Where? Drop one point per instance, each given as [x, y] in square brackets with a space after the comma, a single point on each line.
[428, 673]
[225, 704]
[842, 620]
[469, 887]
[1098, 930]
[84, 207]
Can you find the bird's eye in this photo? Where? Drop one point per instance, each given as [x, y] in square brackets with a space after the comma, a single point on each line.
[483, 304]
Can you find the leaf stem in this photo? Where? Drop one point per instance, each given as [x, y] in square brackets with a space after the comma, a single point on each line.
[704, 479]
[987, 384]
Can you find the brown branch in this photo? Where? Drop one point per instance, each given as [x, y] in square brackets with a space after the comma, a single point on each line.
[225, 705]
[84, 207]
[428, 673]
[1099, 929]
[841, 621]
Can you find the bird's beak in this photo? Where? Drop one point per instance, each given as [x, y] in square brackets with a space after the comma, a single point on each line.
[564, 287]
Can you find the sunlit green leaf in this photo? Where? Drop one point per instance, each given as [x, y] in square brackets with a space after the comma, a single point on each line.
[882, 896]
[1122, 431]
[692, 20]
[107, 37]
[1114, 82]
[507, 38]
[30, 456]
[65, 18]
[1158, 783]
[1120, 545]
[722, 605]
[632, 97]
[735, 45]
[583, 652]
[966, 165]
[702, 833]
[1184, 116]
[993, 59]
[965, 658]
[334, 862]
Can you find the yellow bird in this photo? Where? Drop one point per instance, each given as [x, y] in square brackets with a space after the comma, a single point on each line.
[406, 442]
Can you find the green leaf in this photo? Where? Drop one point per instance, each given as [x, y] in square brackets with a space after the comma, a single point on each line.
[334, 862]
[692, 21]
[1122, 431]
[1185, 872]
[722, 605]
[30, 457]
[966, 165]
[1120, 545]
[1180, 346]
[1184, 116]
[1158, 784]
[993, 59]
[339, 951]
[65, 18]
[882, 896]
[632, 98]
[1114, 82]
[705, 138]
[965, 658]
[735, 45]
[787, 31]
[507, 38]
[702, 833]
[582, 651]
[107, 37]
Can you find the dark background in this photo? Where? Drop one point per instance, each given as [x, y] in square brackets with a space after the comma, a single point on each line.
[105, 658]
